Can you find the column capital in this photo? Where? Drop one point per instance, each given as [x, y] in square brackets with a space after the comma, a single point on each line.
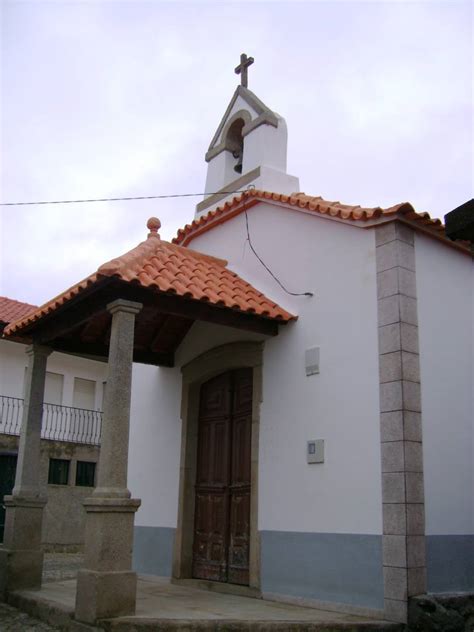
[38, 350]
[122, 305]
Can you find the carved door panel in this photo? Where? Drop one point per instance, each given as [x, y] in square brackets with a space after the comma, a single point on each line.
[222, 509]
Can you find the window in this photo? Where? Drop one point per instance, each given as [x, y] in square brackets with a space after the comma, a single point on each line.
[85, 474]
[58, 472]
[84, 394]
[53, 387]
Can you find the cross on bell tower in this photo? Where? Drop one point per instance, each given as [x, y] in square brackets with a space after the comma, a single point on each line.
[242, 69]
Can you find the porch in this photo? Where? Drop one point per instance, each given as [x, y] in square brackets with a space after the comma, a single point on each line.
[137, 308]
[162, 605]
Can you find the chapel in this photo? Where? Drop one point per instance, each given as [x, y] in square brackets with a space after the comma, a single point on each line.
[285, 415]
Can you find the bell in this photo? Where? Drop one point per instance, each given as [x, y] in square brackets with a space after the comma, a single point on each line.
[238, 165]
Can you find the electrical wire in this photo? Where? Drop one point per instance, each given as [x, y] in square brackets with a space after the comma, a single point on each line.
[162, 197]
[122, 199]
[265, 265]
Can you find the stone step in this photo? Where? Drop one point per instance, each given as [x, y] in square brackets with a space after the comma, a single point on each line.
[58, 610]
[227, 625]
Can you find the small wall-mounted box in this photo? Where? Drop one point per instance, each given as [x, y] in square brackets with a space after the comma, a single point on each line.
[312, 361]
[315, 451]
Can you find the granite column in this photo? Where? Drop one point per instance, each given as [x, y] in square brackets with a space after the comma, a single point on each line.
[21, 556]
[106, 586]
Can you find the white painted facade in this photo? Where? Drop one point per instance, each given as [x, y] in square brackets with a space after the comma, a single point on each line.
[340, 405]
[445, 288]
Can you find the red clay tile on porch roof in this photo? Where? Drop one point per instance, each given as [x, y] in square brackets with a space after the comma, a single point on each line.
[172, 269]
[11, 310]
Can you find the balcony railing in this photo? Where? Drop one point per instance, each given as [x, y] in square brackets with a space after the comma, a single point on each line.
[60, 423]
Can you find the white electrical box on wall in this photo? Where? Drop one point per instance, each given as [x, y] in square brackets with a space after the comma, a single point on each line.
[315, 451]
[312, 361]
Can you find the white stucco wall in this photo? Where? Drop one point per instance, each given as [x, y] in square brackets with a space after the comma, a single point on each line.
[155, 433]
[13, 361]
[445, 281]
[266, 145]
[337, 263]
[154, 453]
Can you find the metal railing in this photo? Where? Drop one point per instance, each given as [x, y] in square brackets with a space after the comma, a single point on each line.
[60, 423]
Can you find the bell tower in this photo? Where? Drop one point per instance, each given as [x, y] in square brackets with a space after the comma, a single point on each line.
[248, 148]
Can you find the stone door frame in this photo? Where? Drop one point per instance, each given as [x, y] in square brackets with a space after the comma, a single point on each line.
[227, 357]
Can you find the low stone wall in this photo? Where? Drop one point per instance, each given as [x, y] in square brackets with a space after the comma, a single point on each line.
[64, 515]
[441, 613]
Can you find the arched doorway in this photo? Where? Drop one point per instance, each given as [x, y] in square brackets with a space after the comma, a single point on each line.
[223, 479]
[234, 357]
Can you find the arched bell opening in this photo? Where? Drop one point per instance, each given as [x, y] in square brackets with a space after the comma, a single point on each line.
[235, 143]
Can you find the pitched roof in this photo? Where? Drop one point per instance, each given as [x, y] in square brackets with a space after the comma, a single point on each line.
[169, 268]
[313, 204]
[11, 310]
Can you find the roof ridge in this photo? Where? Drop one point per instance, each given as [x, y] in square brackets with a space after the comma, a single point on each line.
[316, 204]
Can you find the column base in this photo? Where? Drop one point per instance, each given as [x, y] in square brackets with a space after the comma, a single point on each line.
[21, 556]
[20, 569]
[103, 595]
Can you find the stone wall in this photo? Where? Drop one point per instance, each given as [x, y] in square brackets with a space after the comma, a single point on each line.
[64, 515]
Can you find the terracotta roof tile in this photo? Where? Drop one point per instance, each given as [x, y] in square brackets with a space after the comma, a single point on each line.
[173, 269]
[347, 212]
[11, 310]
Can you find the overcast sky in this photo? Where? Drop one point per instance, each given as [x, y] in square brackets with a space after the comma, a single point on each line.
[108, 99]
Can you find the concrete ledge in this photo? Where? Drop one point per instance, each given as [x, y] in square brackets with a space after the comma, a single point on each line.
[43, 609]
[229, 625]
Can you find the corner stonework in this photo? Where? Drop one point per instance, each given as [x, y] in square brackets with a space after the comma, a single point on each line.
[404, 565]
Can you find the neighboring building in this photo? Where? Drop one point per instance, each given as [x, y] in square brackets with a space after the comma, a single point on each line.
[71, 431]
[331, 464]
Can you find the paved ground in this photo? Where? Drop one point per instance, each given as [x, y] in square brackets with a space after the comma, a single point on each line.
[12, 620]
[57, 566]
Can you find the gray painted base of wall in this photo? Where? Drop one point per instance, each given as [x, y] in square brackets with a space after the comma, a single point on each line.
[340, 568]
[153, 550]
[344, 569]
[450, 563]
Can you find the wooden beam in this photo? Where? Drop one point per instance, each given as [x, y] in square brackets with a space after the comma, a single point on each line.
[157, 333]
[100, 352]
[87, 304]
[198, 310]
[73, 314]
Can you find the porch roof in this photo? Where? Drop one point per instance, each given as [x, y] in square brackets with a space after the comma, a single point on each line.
[176, 285]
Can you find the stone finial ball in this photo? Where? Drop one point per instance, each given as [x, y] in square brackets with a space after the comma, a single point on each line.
[153, 224]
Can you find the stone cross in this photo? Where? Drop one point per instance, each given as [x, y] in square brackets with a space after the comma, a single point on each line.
[241, 69]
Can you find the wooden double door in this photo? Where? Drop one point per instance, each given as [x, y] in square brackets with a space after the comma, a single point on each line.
[223, 481]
